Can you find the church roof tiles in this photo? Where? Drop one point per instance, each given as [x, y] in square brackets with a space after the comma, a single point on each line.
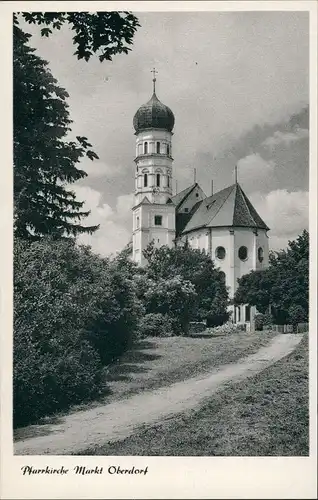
[177, 199]
[229, 207]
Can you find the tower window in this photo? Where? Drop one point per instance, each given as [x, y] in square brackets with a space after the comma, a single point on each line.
[137, 222]
[260, 253]
[186, 210]
[158, 147]
[145, 180]
[242, 253]
[158, 220]
[158, 180]
[168, 181]
[168, 149]
[145, 148]
[220, 253]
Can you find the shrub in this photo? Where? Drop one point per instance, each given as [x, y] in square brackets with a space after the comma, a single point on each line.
[155, 325]
[268, 320]
[173, 297]
[297, 314]
[197, 327]
[73, 312]
[192, 266]
[225, 329]
[259, 321]
[44, 383]
[217, 319]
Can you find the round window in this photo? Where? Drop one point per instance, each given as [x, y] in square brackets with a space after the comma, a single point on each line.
[220, 253]
[260, 254]
[242, 253]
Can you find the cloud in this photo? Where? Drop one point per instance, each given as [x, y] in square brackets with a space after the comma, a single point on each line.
[254, 169]
[285, 138]
[286, 213]
[124, 205]
[115, 225]
[99, 168]
[251, 68]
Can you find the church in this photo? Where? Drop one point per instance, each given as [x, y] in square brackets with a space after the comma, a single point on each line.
[225, 224]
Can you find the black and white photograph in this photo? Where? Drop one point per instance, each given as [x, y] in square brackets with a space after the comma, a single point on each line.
[161, 237]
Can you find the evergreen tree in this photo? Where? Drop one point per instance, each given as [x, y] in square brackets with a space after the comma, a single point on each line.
[45, 162]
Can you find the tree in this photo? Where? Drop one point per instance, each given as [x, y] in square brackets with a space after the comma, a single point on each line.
[196, 267]
[106, 33]
[284, 286]
[174, 297]
[45, 162]
[73, 313]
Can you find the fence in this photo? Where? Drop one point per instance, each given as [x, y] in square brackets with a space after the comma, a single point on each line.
[300, 328]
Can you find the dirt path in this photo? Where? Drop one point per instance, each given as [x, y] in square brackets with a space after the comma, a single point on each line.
[118, 420]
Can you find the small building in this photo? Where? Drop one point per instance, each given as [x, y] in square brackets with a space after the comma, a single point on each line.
[225, 224]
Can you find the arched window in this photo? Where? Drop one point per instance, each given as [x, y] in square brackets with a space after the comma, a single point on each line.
[220, 253]
[260, 253]
[168, 181]
[242, 253]
[158, 147]
[145, 148]
[137, 222]
[145, 180]
[168, 149]
[158, 180]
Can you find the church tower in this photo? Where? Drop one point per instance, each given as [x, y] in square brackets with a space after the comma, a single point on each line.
[153, 218]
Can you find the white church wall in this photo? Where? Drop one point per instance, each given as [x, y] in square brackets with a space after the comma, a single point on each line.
[213, 239]
[151, 137]
[244, 237]
[262, 243]
[221, 237]
[148, 231]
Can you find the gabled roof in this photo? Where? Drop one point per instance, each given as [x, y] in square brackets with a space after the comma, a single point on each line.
[177, 199]
[145, 201]
[229, 207]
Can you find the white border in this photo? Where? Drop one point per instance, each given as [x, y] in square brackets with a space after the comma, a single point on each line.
[172, 477]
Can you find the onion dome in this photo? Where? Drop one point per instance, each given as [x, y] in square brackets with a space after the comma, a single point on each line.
[153, 114]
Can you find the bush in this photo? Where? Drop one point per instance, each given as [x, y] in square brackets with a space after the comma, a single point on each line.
[192, 266]
[197, 327]
[174, 297]
[268, 320]
[226, 329]
[44, 383]
[73, 312]
[155, 325]
[217, 319]
[297, 314]
[259, 321]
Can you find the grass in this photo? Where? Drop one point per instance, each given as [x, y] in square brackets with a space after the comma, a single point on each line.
[266, 415]
[157, 362]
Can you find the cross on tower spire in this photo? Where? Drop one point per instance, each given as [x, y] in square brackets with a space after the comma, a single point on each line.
[154, 72]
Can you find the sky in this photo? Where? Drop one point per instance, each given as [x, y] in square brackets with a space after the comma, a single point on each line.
[238, 85]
